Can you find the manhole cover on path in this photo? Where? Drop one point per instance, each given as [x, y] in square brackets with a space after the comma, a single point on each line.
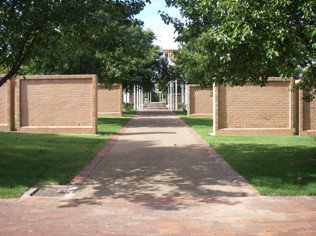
[54, 191]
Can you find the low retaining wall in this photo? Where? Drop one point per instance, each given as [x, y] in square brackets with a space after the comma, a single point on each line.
[7, 106]
[57, 104]
[307, 116]
[110, 101]
[255, 110]
[200, 103]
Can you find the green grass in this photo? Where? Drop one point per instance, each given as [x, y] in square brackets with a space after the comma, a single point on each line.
[29, 159]
[274, 165]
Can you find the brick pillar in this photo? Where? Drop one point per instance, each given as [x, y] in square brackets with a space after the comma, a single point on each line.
[7, 106]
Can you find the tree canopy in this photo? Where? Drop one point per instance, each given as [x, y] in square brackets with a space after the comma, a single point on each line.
[234, 41]
[78, 36]
[122, 54]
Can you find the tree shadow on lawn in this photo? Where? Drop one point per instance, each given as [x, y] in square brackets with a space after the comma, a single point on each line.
[167, 178]
[113, 124]
[27, 159]
[274, 165]
[199, 123]
[110, 125]
[273, 169]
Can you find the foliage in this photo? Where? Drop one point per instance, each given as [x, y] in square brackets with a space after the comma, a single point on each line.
[168, 72]
[37, 28]
[273, 165]
[230, 42]
[29, 159]
[128, 107]
[132, 59]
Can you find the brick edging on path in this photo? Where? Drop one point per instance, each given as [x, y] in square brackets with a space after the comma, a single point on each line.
[81, 177]
[231, 173]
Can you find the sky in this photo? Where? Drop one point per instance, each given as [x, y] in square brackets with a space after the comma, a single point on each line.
[164, 33]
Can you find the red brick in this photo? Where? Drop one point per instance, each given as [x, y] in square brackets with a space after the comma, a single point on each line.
[57, 104]
[306, 116]
[200, 102]
[110, 101]
[7, 106]
[255, 110]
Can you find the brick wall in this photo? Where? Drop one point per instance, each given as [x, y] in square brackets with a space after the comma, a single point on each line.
[57, 104]
[255, 110]
[307, 117]
[296, 112]
[110, 101]
[170, 53]
[7, 106]
[178, 98]
[200, 103]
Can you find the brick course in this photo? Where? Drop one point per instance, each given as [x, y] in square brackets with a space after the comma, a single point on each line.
[110, 101]
[7, 106]
[57, 104]
[307, 116]
[200, 102]
[255, 110]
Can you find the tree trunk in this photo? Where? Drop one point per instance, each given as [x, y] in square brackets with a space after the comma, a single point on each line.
[7, 77]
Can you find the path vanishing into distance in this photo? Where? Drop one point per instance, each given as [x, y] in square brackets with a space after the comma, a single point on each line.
[157, 156]
[160, 178]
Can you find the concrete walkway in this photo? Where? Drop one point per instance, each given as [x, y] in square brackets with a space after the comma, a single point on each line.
[160, 179]
[158, 157]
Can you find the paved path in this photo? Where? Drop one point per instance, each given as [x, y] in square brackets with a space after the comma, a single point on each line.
[159, 179]
[158, 157]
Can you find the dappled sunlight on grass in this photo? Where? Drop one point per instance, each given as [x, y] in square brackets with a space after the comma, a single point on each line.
[273, 165]
[29, 159]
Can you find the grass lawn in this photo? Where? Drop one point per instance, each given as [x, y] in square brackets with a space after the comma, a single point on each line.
[29, 159]
[273, 165]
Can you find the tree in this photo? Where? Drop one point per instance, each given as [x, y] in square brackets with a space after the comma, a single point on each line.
[28, 28]
[234, 41]
[130, 59]
[168, 72]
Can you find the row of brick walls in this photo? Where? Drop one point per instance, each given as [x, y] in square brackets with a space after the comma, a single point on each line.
[200, 102]
[110, 101]
[68, 104]
[255, 110]
[57, 104]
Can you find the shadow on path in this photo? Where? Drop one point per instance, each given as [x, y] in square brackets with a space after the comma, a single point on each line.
[158, 163]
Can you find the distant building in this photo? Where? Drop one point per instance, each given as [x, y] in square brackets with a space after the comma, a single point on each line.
[170, 53]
